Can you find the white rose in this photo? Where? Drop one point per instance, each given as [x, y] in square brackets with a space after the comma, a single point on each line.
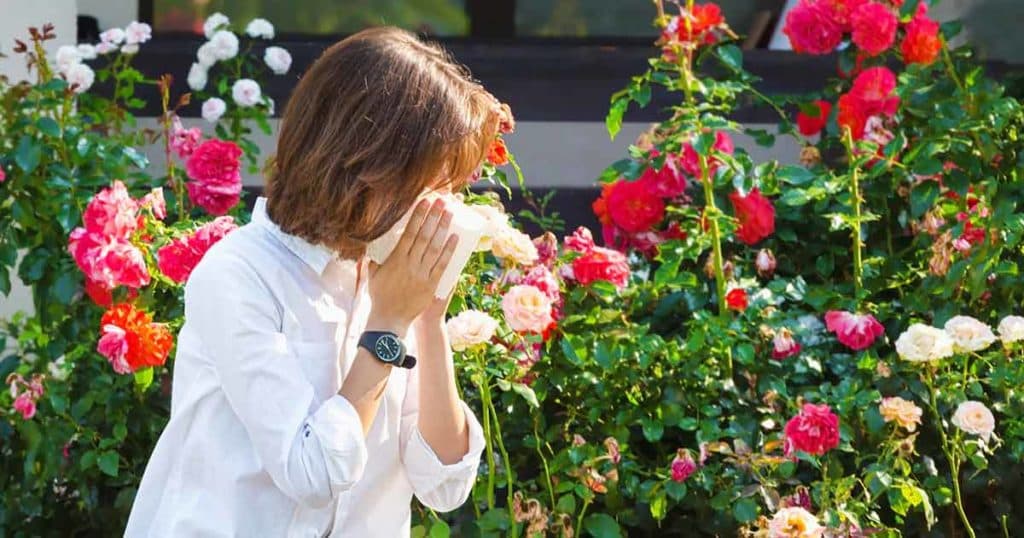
[57, 370]
[113, 36]
[105, 48]
[246, 92]
[130, 49]
[87, 51]
[1011, 329]
[224, 45]
[137, 32]
[213, 109]
[206, 55]
[278, 60]
[67, 56]
[969, 334]
[197, 77]
[513, 245]
[974, 418]
[921, 343]
[794, 522]
[258, 28]
[471, 328]
[80, 77]
[497, 222]
[213, 23]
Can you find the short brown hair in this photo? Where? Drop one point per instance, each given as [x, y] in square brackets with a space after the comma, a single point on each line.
[377, 119]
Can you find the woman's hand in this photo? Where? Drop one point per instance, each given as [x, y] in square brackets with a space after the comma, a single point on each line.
[403, 286]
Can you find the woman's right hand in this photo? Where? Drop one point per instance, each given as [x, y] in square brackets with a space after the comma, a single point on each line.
[403, 286]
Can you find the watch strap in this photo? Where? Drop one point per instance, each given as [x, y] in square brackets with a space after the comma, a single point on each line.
[368, 341]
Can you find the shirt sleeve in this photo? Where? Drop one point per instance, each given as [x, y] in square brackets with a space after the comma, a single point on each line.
[312, 452]
[441, 487]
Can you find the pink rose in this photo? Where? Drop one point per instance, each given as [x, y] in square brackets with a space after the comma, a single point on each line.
[540, 277]
[812, 28]
[108, 261]
[855, 331]
[527, 309]
[874, 28]
[690, 161]
[155, 202]
[601, 264]
[665, 182]
[26, 405]
[547, 248]
[178, 258]
[581, 240]
[114, 346]
[784, 345]
[184, 141]
[214, 168]
[815, 430]
[112, 211]
[683, 466]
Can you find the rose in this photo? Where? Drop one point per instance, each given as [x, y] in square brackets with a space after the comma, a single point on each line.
[905, 413]
[112, 211]
[113, 36]
[633, 207]
[80, 77]
[921, 343]
[765, 263]
[755, 214]
[214, 23]
[855, 331]
[470, 328]
[145, 343]
[922, 42]
[874, 28]
[206, 55]
[811, 125]
[874, 90]
[197, 76]
[969, 334]
[155, 202]
[3, 175]
[67, 56]
[277, 59]
[26, 405]
[547, 248]
[213, 109]
[496, 224]
[514, 246]
[682, 466]
[260, 28]
[1011, 329]
[581, 240]
[690, 161]
[178, 258]
[497, 154]
[527, 309]
[216, 179]
[703, 20]
[224, 45]
[812, 28]
[736, 299]
[784, 345]
[246, 92]
[137, 33]
[540, 277]
[814, 430]
[794, 522]
[601, 264]
[974, 418]
[113, 345]
[666, 181]
[108, 260]
[184, 141]
[87, 51]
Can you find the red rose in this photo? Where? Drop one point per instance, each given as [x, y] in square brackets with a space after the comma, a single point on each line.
[705, 18]
[812, 125]
[755, 214]
[736, 299]
[851, 116]
[665, 182]
[812, 28]
[815, 430]
[601, 264]
[874, 88]
[600, 206]
[690, 163]
[633, 207]
[922, 42]
[874, 28]
[214, 168]
[842, 10]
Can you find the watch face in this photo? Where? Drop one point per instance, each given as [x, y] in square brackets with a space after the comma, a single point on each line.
[388, 348]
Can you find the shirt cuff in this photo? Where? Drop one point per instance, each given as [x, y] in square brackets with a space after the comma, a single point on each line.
[426, 471]
[337, 426]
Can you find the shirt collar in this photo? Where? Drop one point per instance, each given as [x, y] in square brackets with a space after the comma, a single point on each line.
[315, 256]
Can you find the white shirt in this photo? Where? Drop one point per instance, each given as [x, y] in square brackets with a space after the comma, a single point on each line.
[259, 443]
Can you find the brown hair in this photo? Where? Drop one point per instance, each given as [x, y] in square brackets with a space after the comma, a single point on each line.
[380, 117]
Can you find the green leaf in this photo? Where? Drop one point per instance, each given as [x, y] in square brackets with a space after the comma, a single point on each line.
[922, 197]
[745, 510]
[120, 432]
[614, 119]
[659, 507]
[48, 126]
[676, 490]
[704, 142]
[144, 378]
[566, 504]
[28, 154]
[602, 526]
[794, 197]
[745, 353]
[65, 288]
[527, 393]
[88, 460]
[440, 530]
[653, 429]
[731, 56]
[795, 175]
[108, 462]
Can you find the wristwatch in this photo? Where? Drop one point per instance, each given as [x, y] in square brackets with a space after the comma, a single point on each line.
[387, 348]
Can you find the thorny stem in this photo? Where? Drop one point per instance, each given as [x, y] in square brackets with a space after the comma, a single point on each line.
[858, 269]
[950, 451]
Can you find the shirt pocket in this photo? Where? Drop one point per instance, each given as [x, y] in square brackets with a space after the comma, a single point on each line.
[320, 364]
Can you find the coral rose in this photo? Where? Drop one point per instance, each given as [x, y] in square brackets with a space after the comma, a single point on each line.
[903, 412]
[736, 299]
[815, 430]
[755, 214]
[922, 42]
[131, 340]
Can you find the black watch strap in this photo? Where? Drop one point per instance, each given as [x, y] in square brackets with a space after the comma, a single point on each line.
[368, 341]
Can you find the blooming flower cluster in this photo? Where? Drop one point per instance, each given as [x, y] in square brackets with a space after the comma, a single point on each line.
[25, 393]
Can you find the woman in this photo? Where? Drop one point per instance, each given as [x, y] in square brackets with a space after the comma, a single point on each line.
[297, 409]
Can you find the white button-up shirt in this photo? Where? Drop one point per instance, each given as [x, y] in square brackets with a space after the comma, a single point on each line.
[259, 443]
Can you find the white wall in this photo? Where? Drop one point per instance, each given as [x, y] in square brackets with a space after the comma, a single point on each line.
[15, 18]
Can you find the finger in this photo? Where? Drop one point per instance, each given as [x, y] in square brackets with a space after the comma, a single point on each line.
[426, 232]
[419, 213]
[372, 268]
[444, 259]
[436, 244]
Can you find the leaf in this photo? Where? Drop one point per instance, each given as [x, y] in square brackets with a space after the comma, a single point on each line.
[108, 462]
[922, 197]
[120, 432]
[613, 122]
[794, 197]
[704, 142]
[602, 526]
[527, 393]
[65, 288]
[653, 429]
[642, 95]
[745, 353]
[144, 378]
[48, 127]
[659, 507]
[566, 504]
[440, 529]
[676, 490]
[745, 510]
[731, 56]
[795, 175]
[28, 154]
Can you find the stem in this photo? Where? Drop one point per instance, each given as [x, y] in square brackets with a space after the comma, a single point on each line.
[179, 190]
[579, 519]
[858, 270]
[507, 461]
[547, 471]
[485, 397]
[950, 451]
